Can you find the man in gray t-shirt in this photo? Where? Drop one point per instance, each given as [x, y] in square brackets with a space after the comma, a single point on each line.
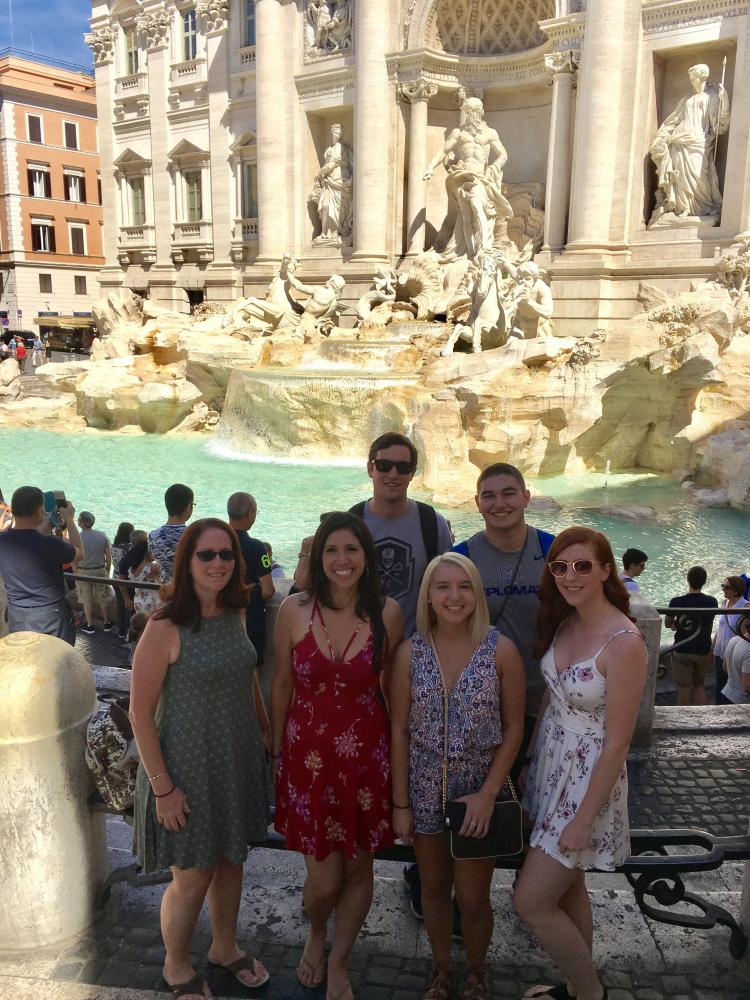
[510, 556]
[402, 529]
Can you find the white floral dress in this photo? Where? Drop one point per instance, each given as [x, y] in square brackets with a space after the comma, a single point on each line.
[569, 744]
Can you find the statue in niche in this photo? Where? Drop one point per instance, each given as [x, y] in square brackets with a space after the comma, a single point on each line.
[329, 27]
[684, 152]
[332, 192]
[478, 211]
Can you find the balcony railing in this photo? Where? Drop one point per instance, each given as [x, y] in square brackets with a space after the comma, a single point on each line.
[192, 234]
[247, 56]
[135, 237]
[190, 71]
[249, 229]
[132, 85]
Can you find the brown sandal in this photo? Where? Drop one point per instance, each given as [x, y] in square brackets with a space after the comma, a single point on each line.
[474, 988]
[440, 984]
[195, 987]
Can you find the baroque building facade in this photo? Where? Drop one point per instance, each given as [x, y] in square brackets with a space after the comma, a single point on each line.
[233, 131]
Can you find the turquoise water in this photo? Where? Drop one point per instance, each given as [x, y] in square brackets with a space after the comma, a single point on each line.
[119, 477]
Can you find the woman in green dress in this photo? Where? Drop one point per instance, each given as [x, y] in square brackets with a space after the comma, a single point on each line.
[201, 792]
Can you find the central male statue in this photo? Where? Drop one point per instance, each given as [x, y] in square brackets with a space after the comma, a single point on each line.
[474, 183]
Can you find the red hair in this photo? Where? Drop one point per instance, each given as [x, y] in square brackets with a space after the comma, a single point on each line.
[181, 601]
[553, 606]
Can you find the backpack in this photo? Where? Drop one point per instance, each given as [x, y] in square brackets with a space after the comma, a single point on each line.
[110, 754]
[428, 524]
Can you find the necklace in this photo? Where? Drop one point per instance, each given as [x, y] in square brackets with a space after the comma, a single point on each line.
[334, 658]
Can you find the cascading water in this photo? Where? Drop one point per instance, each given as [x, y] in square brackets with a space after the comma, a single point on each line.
[315, 414]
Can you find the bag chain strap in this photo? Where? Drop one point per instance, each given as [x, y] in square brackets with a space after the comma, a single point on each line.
[444, 776]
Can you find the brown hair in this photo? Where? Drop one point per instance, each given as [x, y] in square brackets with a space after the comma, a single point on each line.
[553, 606]
[737, 584]
[181, 601]
[388, 441]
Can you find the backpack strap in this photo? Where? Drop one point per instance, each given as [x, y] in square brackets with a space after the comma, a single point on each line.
[545, 541]
[358, 510]
[429, 525]
[463, 549]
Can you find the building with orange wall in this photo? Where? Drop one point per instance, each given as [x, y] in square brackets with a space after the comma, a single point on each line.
[50, 196]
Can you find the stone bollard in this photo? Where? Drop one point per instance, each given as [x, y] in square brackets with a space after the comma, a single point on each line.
[745, 899]
[648, 621]
[52, 847]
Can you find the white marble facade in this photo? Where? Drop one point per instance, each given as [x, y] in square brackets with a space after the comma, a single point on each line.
[218, 118]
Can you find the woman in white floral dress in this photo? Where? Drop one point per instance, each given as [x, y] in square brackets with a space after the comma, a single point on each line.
[594, 665]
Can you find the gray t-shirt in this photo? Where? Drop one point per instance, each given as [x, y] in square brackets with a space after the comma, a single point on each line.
[737, 662]
[94, 546]
[518, 606]
[402, 558]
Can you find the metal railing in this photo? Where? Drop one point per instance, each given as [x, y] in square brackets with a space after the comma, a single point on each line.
[113, 581]
[689, 619]
[38, 57]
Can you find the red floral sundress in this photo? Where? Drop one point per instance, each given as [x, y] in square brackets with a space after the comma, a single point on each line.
[333, 791]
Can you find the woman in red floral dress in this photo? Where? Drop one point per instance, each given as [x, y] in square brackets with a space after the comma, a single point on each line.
[330, 738]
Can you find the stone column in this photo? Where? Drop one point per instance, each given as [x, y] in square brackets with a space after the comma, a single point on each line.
[271, 83]
[158, 84]
[418, 93]
[372, 110]
[217, 70]
[609, 54]
[101, 42]
[563, 66]
[735, 213]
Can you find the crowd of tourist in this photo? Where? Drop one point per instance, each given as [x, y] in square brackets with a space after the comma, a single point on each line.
[410, 674]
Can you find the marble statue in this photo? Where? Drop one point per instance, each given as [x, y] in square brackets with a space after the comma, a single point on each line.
[329, 26]
[332, 192]
[533, 304]
[321, 308]
[487, 283]
[276, 312]
[478, 211]
[684, 152]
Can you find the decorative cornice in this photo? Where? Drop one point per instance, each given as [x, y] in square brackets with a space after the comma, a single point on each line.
[215, 14]
[447, 70]
[565, 33]
[185, 117]
[418, 90]
[102, 44]
[667, 15]
[132, 125]
[326, 82]
[155, 28]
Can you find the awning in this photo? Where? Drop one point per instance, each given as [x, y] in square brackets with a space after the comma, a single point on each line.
[67, 322]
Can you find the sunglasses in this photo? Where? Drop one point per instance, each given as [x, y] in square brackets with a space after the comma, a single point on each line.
[385, 465]
[581, 567]
[208, 555]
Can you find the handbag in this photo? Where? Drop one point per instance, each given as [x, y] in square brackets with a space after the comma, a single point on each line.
[505, 834]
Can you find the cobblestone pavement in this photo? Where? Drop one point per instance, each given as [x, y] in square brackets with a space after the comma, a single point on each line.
[116, 955]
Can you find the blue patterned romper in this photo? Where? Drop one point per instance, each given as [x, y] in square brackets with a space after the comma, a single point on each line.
[474, 729]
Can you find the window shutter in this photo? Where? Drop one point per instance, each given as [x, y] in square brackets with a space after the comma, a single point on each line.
[52, 245]
[35, 128]
[71, 136]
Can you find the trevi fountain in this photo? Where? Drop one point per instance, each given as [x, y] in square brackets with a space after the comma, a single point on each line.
[522, 234]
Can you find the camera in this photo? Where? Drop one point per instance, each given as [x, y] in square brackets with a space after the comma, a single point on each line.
[60, 500]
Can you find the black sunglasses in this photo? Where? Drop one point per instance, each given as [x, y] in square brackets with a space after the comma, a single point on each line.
[208, 555]
[385, 465]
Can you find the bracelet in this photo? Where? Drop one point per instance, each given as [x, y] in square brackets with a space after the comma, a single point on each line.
[165, 794]
[396, 806]
[159, 775]
[303, 555]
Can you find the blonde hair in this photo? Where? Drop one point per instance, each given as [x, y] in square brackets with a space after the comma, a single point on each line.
[479, 621]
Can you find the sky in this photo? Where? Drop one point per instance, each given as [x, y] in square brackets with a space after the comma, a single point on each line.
[48, 27]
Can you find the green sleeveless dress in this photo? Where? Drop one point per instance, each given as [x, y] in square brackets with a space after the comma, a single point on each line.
[211, 741]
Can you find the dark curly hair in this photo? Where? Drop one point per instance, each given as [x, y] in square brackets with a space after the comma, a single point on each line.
[181, 601]
[370, 598]
[554, 609]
